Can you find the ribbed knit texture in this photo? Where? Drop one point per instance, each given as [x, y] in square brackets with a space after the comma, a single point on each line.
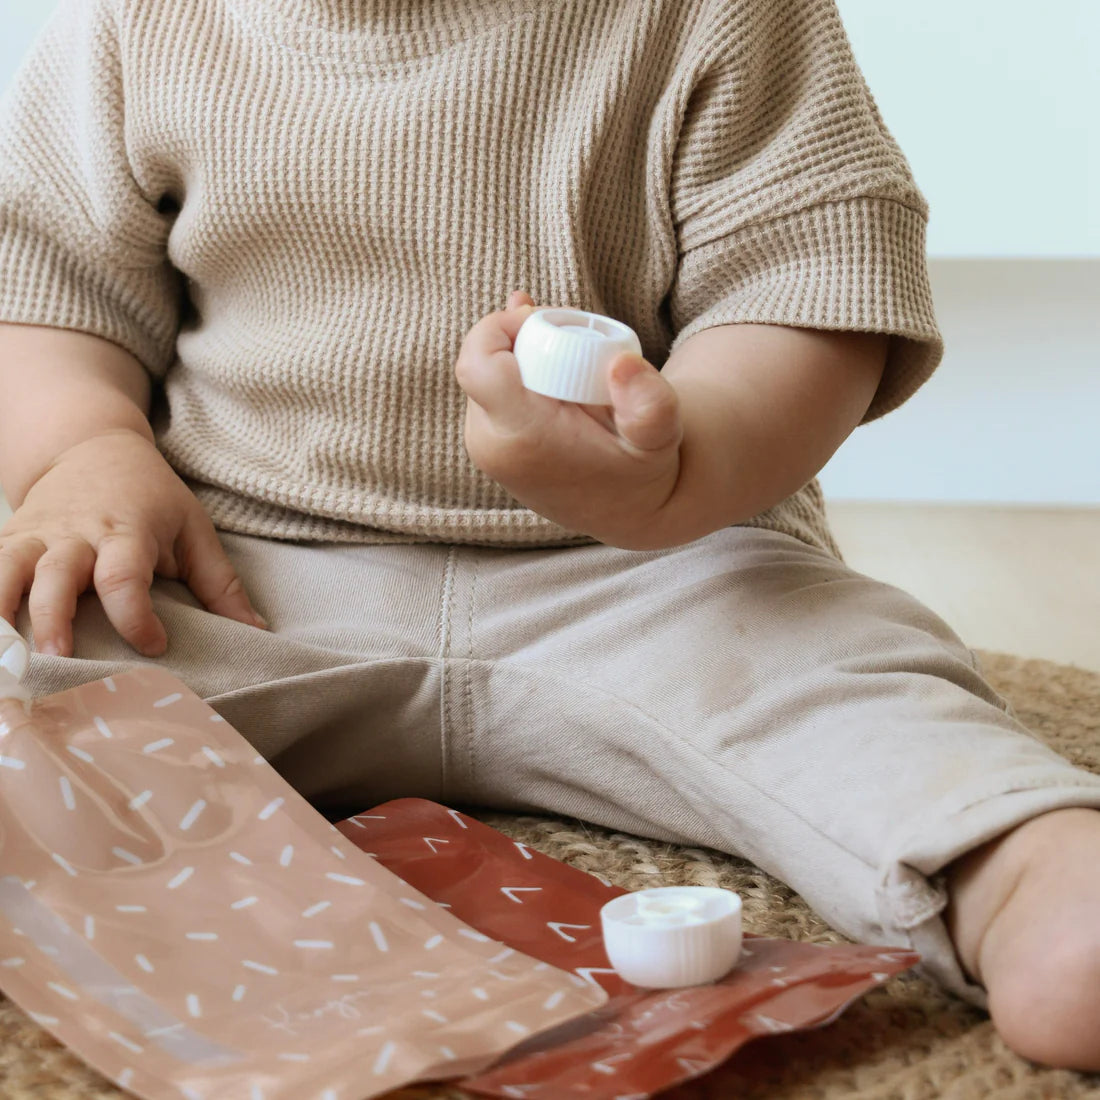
[293, 211]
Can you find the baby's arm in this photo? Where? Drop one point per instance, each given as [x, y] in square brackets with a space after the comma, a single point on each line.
[764, 408]
[95, 502]
[741, 417]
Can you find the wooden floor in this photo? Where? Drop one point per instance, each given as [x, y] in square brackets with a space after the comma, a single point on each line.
[1019, 580]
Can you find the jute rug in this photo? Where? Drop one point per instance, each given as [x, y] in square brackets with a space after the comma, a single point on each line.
[906, 1041]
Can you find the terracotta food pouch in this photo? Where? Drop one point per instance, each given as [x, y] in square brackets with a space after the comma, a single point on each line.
[642, 1041]
[176, 914]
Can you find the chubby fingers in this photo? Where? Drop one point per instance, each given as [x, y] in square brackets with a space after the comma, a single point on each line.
[208, 572]
[645, 407]
[487, 370]
[61, 574]
[123, 575]
[18, 557]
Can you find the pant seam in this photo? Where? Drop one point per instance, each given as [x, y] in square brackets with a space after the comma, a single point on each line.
[471, 740]
[446, 597]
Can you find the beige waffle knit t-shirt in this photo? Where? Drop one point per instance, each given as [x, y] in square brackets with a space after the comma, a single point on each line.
[293, 211]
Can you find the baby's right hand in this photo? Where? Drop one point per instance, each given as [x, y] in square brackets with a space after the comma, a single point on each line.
[110, 513]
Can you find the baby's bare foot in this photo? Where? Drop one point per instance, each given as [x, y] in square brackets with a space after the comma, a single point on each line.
[1025, 917]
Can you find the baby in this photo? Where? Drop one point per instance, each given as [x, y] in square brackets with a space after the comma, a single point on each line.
[259, 263]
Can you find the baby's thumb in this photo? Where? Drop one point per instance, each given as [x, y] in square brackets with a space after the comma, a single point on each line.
[645, 406]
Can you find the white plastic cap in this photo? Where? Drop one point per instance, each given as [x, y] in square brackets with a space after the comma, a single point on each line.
[673, 936]
[565, 353]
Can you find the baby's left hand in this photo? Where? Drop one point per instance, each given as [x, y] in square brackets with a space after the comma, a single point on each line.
[605, 471]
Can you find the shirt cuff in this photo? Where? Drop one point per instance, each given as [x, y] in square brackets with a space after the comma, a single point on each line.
[43, 283]
[856, 265]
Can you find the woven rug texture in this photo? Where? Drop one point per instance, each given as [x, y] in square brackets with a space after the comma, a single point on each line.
[904, 1041]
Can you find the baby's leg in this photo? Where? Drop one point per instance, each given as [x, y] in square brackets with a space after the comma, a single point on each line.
[341, 695]
[1025, 917]
[750, 693]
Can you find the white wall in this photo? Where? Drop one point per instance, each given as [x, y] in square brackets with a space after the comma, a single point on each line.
[995, 104]
[20, 21]
[1012, 414]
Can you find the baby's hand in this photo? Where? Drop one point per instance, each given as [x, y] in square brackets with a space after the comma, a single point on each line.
[111, 512]
[606, 471]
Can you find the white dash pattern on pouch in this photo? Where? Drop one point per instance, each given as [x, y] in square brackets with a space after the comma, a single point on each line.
[382, 1062]
[144, 963]
[212, 756]
[67, 792]
[80, 754]
[192, 814]
[286, 855]
[156, 746]
[168, 700]
[378, 936]
[129, 1044]
[244, 903]
[139, 800]
[270, 809]
[102, 726]
[313, 910]
[125, 856]
[11, 762]
[179, 879]
[259, 967]
[63, 863]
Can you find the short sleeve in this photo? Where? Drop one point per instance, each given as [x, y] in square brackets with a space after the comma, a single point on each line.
[792, 203]
[81, 246]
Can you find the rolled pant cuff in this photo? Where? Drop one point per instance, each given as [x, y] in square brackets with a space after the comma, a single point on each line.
[912, 895]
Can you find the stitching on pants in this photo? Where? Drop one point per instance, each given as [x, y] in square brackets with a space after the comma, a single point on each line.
[471, 749]
[445, 598]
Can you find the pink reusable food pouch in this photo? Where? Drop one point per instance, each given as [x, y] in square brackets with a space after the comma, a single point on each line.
[184, 921]
[641, 1041]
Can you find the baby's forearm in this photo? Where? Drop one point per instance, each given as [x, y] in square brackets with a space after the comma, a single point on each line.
[57, 389]
[764, 407]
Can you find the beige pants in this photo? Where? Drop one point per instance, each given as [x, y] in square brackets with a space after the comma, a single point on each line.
[746, 692]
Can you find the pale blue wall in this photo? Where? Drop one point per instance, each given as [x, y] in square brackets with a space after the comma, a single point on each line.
[995, 103]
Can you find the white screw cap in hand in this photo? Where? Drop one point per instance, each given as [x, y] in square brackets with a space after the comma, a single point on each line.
[565, 353]
[673, 936]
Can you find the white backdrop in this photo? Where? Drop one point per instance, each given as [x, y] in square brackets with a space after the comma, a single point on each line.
[994, 103]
